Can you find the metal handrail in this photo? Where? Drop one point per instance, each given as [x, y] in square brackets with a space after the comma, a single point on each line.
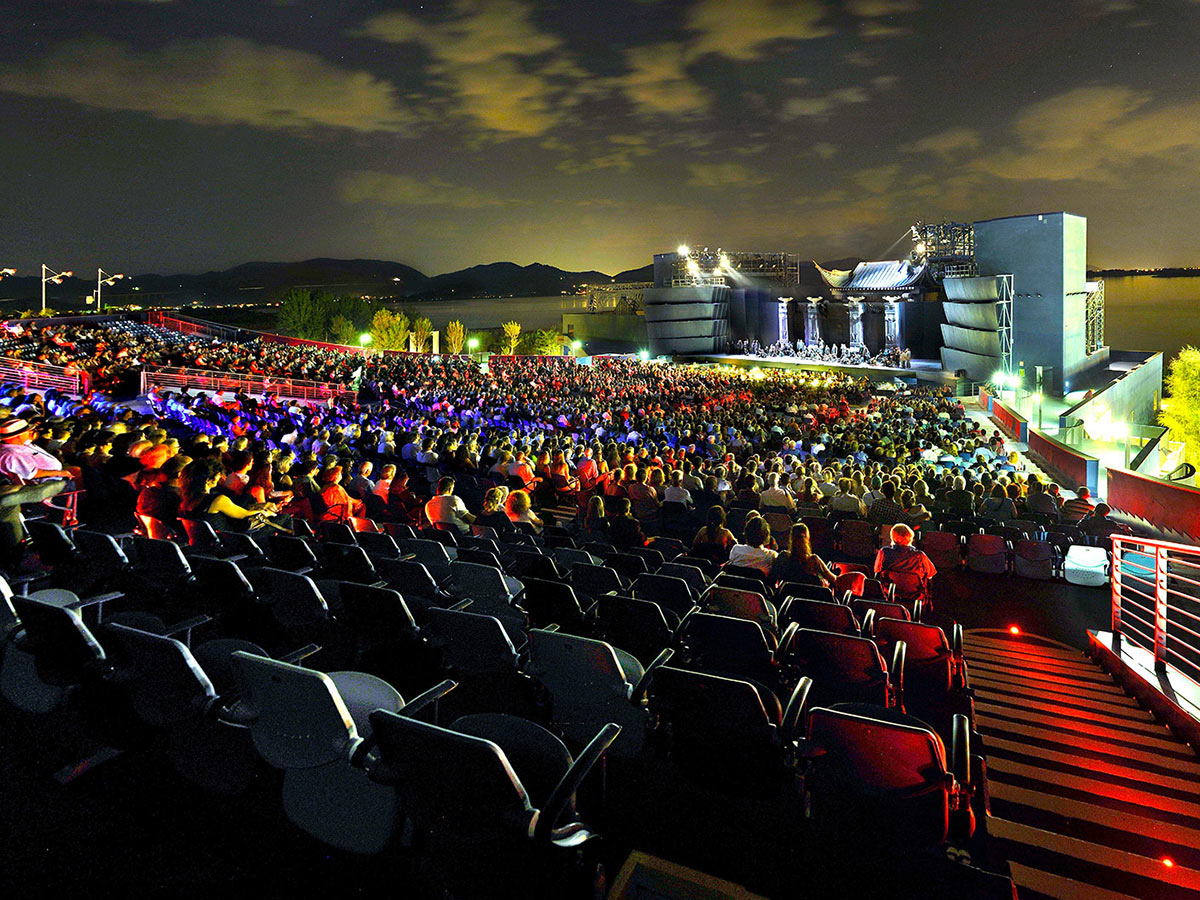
[174, 378]
[1172, 634]
[39, 375]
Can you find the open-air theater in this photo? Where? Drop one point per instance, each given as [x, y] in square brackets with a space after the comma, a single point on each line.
[287, 618]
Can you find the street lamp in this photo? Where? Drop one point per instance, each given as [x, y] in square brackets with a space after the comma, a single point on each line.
[363, 340]
[103, 278]
[53, 277]
[577, 345]
[644, 355]
[4, 272]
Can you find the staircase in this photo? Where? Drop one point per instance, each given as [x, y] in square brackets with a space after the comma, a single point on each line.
[1090, 797]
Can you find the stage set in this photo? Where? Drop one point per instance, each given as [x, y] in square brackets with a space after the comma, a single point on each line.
[969, 301]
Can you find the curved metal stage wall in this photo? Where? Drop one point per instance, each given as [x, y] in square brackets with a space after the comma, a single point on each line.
[971, 335]
[691, 319]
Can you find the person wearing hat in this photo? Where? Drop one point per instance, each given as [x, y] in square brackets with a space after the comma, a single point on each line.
[22, 460]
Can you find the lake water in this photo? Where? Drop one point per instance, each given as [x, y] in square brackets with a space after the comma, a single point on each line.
[531, 312]
[1147, 313]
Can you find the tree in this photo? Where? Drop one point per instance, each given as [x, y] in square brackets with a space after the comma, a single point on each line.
[512, 336]
[547, 342]
[305, 314]
[456, 336]
[343, 331]
[1181, 411]
[422, 329]
[389, 330]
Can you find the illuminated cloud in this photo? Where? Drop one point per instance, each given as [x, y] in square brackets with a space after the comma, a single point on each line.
[724, 174]
[386, 189]
[1092, 133]
[220, 80]
[745, 29]
[822, 105]
[509, 75]
[949, 143]
[658, 82]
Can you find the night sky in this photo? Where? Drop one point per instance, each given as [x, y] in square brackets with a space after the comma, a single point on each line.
[185, 135]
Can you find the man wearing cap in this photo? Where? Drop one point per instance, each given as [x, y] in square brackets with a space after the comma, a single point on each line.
[21, 460]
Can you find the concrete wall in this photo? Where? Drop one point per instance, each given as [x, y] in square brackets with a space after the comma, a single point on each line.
[1046, 255]
[609, 328]
[1131, 398]
[691, 319]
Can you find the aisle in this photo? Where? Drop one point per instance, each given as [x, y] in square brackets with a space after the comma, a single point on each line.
[1090, 797]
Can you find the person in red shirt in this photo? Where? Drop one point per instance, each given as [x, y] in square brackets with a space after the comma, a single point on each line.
[905, 566]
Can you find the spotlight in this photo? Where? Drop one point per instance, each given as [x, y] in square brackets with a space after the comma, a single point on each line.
[644, 355]
[683, 250]
[1013, 629]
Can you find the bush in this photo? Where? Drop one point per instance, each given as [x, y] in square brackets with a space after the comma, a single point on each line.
[512, 336]
[1181, 412]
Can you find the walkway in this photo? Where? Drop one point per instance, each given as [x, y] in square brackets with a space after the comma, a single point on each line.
[1091, 799]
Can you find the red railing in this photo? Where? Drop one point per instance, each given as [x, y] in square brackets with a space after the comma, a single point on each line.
[174, 379]
[1172, 508]
[1156, 601]
[39, 376]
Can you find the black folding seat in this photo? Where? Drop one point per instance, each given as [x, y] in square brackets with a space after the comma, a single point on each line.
[935, 673]
[291, 553]
[628, 565]
[386, 639]
[482, 835]
[724, 731]
[378, 544]
[819, 615]
[821, 534]
[944, 549]
[52, 652]
[596, 580]
[667, 591]
[345, 562]
[568, 557]
[338, 533]
[747, 578]
[477, 652]
[670, 548]
[696, 580]
[876, 777]
[845, 668]
[726, 645]
[534, 564]
[554, 603]
[430, 554]
[480, 557]
[638, 626]
[413, 580]
[707, 566]
[534, 751]
[105, 561]
[446, 536]
[162, 565]
[296, 604]
[743, 604]
[805, 591]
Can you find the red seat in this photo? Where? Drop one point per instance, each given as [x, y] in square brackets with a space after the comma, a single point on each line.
[844, 668]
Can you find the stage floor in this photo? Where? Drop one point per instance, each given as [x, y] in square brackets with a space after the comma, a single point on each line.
[922, 369]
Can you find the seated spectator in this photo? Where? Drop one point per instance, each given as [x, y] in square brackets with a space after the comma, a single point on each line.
[361, 484]
[444, 508]
[753, 551]
[916, 512]
[1100, 525]
[623, 529]
[1039, 501]
[339, 505]
[201, 500]
[402, 504]
[714, 540]
[493, 514]
[23, 461]
[903, 564]
[384, 484]
[675, 492]
[1078, 507]
[775, 497]
[798, 563]
[846, 502]
[998, 507]
[595, 523]
[156, 498]
[885, 510]
[520, 511]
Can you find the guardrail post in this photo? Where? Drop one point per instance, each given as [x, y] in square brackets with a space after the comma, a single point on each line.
[1117, 588]
[1160, 610]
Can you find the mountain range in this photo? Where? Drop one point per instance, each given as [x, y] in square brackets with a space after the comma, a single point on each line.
[268, 281]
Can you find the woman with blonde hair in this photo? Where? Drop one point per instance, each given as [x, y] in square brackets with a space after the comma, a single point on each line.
[520, 510]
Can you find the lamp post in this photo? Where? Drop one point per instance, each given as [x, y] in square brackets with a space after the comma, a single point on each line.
[364, 341]
[103, 278]
[53, 277]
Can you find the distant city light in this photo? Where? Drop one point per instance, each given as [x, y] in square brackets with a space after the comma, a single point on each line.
[1013, 629]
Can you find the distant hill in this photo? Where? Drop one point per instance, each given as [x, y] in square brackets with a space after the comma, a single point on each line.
[268, 281]
[505, 279]
[645, 273]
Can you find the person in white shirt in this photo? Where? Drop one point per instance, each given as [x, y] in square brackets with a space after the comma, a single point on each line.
[845, 501]
[754, 553]
[675, 492]
[446, 509]
[775, 496]
[384, 484]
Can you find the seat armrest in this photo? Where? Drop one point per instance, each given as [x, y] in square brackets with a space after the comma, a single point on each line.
[299, 654]
[896, 672]
[185, 627]
[543, 825]
[428, 698]
[960, 751]
[639, 689]
[868, 625]
[460, 605]
[23, 581]
[793, 716]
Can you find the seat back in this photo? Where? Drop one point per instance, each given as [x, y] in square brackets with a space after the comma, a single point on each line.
[882, 608]
[472, 644]
[628, 564]
[636, 626]
[580, 673]
[63, 646]
[298, 718]
[696, 580]
[551, 602]
[378, 544]
[844, 668]
[856, 538]
[295, 599]
[567, 557]
[727, 644]
[452, 782]
[595, 580]
[667, 591]
[168, 684]
[849, 581]
[290, 552]
[1033, 559]
[338, 532]
[379, 613]
[821, 534]
[477, 582]
[161, 557]
[806, 591]
[820, 616]
[155, 528]
[104, 554]
[987, 553]
[412, 577]
[741, 604]
[1086, 565]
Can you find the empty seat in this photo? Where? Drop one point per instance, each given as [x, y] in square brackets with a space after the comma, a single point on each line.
[856, 539]
[588, 684]
[726, 645]
[696, 580]
[1034, 559]
[819, 615]
[667, 591]
[431, 555]
[880, 778]
[473, 581]
[844, 668]
[806, 591]
[638, 626]
[882, 608]
[553, 603]
[742, 604]
[987, 553]
[597, 580]
[944, 549]
[379, 544]
[1086, 565]
[52, 651]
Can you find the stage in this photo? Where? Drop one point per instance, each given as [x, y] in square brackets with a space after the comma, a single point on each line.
[927, 370]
